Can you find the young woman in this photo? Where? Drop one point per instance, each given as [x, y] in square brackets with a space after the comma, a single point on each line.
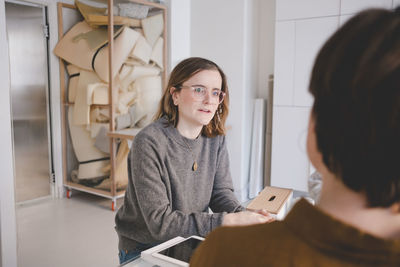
[179, 166]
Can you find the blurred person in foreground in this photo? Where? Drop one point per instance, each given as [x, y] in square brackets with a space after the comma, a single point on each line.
[354, 142]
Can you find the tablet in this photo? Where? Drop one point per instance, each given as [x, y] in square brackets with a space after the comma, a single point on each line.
[174, 252]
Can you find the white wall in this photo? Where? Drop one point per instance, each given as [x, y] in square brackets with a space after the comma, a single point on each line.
[240, 40]
[266, 43]
[301, 29]
[179, 18]
[1, 257]
[226, 32]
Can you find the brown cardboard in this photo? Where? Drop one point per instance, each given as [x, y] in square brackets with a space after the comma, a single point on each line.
[272, 199]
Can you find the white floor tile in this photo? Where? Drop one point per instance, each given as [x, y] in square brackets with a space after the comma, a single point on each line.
[67, 232]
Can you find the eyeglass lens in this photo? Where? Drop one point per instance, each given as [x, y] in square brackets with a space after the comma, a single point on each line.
[200, 93]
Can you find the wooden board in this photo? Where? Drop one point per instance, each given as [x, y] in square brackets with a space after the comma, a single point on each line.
[271, 199]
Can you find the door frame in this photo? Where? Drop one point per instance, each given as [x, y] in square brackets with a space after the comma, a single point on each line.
[57, 189]
[46, 67]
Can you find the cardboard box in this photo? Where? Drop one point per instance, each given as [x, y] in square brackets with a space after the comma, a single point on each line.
[273, 199]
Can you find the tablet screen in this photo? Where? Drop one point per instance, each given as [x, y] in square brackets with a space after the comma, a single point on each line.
[182, 251]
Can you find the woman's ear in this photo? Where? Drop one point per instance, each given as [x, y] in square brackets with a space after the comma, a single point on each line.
[395, 208]
[314, 154]
[174, 95]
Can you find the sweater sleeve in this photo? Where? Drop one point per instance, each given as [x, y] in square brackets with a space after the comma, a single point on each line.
[150, 189]
[223, 199]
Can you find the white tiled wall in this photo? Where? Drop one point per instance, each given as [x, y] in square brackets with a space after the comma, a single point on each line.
[354, 6]
[344, 18]
[311, 34]
[302, 27]
[350, 7]
[295, 9]
[284, 67]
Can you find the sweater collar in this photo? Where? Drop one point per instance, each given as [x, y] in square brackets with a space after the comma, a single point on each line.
[174, 134]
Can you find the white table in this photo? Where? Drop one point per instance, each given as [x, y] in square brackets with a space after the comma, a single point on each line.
[138, 263]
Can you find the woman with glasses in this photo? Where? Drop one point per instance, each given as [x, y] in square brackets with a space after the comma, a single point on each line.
[179, 167]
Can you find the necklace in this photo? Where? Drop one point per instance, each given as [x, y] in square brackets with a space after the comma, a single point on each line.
[194, 166]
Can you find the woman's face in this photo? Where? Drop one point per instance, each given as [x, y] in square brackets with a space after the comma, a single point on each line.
[196, 109]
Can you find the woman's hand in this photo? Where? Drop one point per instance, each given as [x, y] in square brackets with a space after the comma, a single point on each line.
[247, 218]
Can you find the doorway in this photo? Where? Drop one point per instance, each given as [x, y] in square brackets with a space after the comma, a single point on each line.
[30, 109]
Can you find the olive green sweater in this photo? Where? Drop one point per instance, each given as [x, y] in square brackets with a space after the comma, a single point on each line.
[307, 237]
[165, 198]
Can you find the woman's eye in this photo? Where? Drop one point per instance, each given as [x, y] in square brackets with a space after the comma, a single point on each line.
[198, 89]
[216, 93]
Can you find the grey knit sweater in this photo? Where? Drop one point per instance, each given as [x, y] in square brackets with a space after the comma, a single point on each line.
[165, 198]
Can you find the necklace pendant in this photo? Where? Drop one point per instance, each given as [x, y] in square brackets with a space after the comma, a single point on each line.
[194, 167]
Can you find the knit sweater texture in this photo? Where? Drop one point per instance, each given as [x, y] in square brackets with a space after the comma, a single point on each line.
[165, 198]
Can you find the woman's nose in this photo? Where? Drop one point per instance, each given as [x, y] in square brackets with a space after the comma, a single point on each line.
[207, 97]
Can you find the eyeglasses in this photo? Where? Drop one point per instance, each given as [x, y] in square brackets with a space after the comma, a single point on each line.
[200, 92]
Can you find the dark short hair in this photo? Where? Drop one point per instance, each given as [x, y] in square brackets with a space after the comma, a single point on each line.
[180, 74]
[356, 87]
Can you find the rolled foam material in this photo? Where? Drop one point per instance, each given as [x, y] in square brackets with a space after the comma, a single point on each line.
[142, 50]
[97, 16]
[132, 10]
[104, 112]
[77, 53]
[125, 71]
[121, 170]
[92, 169]
[96, 37]
[136, 72]
[100, 93]
[133, 62]
[137, 116]
[153, 27]
[125, 100]
[74, 73]
[148, 89]
[95, 128]
[102, 141]
[157, 53]
[82, 103]
[122, 121]
[82, 144]
[101, 115]
[123, 45]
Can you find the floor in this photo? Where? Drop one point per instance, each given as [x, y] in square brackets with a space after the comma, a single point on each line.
[75, 232]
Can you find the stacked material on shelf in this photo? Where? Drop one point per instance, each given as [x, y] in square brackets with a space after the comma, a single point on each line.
[137, 85]
[97, 16]
[121, 170]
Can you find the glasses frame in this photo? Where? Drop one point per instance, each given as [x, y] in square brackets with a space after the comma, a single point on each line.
[192, 87]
